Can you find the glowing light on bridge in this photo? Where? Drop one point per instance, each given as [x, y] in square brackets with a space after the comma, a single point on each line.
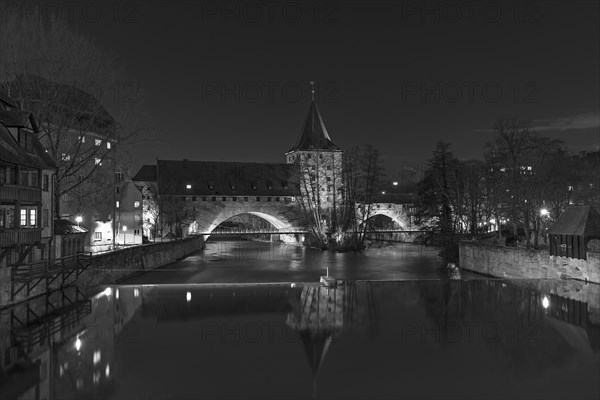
[188, 296]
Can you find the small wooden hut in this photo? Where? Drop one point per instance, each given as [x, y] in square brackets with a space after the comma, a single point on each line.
[572, 231]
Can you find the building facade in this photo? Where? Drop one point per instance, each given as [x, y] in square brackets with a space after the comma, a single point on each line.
[27, 176]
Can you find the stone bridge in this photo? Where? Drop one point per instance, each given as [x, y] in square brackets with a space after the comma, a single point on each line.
[396, 212]
[278, 211]
[218, 191]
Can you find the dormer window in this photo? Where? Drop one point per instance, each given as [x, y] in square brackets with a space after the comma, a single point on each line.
[269, 185]
[253, 185]
[211, 185]
[232, 185]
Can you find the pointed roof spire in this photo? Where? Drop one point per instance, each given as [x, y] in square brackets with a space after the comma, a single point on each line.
[314, 135]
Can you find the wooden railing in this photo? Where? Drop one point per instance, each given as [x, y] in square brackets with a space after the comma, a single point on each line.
[49, 268]
[9, 237]
[20, 193]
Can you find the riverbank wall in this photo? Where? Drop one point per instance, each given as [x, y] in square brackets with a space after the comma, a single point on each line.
[105, 268]
[513, 262]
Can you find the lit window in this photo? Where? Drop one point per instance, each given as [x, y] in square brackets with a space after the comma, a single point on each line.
[65, 157]
[108, 145]
[97, 161]
[117, 203]
[33, 217]
[82, 138]
[136, 204]
[23, 217]
[188, 186]
[98, 142]
[97, 235]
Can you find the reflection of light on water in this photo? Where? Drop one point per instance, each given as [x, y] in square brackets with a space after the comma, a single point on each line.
[107, 371]
[97, 355]
[188, 296]
[545, 302]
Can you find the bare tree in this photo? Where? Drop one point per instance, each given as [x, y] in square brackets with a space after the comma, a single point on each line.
[70, 85]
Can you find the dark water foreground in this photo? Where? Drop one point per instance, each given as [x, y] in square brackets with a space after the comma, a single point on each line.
[405, 339]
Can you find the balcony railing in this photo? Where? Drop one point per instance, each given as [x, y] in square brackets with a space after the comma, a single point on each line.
[20, 193]
[10, 237]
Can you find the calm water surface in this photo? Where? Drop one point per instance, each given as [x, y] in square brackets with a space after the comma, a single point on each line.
[429, 338]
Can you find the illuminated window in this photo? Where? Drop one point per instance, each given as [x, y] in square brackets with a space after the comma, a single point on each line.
[136, 204]
[97, 161]
[82, 138]
[65, 157]
[188, 186]
[117, 204]
[33, 217]
[98, 142]
[23, 217]
[108, 145]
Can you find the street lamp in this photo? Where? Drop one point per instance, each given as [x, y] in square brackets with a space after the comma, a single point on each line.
[544, 212]
[78, 219]
[124, 231]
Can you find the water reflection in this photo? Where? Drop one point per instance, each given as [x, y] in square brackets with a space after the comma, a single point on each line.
[353, 341]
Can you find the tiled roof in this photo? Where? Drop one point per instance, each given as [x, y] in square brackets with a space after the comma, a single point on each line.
[66, 227]
[12, 152]
[577, 220]
[146, 173]
[314, 135]
[18, 119]
[221, 178]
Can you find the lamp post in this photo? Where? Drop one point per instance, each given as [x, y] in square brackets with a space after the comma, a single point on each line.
[124, 232]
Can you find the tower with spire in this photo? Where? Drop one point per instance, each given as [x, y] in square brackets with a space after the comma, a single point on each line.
[319, 159]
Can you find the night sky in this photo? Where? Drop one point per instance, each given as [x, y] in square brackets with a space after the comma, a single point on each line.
[221, 79]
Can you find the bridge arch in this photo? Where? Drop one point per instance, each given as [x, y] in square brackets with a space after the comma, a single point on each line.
[394, 215]
[277, 221]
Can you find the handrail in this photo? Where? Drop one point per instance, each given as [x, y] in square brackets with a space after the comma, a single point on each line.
[49, 268]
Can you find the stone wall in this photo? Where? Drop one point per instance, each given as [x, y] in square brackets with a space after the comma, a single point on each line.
[109, 267]
[511, 262]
